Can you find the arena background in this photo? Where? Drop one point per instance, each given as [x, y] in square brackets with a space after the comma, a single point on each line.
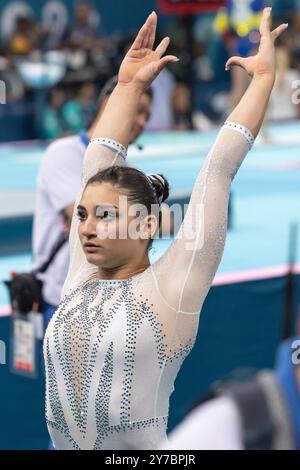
[255, 297]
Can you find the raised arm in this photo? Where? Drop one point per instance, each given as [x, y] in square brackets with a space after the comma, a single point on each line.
[185, 272]
[250, 112]
[111, 135]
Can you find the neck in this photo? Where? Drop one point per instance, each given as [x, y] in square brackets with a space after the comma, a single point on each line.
[124, 271]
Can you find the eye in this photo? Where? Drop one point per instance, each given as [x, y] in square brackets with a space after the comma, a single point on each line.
[81, 215]
[107, 215]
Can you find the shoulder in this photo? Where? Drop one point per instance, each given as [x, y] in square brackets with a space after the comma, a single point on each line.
[63, 156]
[70, 142]
[63, 150]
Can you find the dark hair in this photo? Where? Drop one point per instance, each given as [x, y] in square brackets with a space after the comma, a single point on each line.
[110, 85]
[139, 188]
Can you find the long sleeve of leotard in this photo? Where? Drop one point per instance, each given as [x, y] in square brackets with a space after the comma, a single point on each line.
[184, 274]
[97, 157]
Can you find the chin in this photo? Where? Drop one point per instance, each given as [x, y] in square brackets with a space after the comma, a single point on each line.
[135, 136]
[94, 259]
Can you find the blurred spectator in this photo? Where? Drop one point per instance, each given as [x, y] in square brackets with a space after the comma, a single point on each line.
[15, 88]
[281, 104]
[78, 113]
[284, 10]
[204, 37]
[162, 117]
[184, 118]
[85, 31]
[182, 108]
[52, 125]
[25, 37]
[293, 41]
[202, 43]
[180, 29]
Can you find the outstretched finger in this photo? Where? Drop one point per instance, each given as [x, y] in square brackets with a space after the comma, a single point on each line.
[140, 38]
[152, 30]
[265, 22]
[145, 42]
[278, 31]
[151, 25]
[162, 47]
[164, 62]
[238, 61]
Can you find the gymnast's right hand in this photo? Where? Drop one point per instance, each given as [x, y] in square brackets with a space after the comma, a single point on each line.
[142, 64]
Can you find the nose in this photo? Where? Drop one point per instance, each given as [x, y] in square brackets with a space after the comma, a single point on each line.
[89, 228]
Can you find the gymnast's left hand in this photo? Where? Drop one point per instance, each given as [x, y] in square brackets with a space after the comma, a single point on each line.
[142, 64]
[264, 62]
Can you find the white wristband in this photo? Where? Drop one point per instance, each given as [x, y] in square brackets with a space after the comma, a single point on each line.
[242, 129]
[112, 144]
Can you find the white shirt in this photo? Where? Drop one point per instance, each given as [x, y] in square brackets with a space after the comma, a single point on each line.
[161, 118]
[57, 186]
[281, 104]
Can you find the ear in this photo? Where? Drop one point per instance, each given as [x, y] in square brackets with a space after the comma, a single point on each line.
[149, 227]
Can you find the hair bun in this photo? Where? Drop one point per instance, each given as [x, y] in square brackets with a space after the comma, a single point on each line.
[161, 186]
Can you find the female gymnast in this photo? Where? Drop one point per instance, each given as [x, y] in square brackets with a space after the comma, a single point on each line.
[123, 328]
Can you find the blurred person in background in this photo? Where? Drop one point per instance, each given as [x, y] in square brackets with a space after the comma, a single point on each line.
[25, 38]
[78, 113]
[294, 39]
[281, 102]
[52, 124]
[180, 30]
[85, 32]
[15, 88]
[182, 108]
[58, 184]
[162, 116]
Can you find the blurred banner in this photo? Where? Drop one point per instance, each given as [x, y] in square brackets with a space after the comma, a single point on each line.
[189, 6]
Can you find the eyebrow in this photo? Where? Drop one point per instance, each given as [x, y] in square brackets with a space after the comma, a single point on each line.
[100, 206]
[106, 206]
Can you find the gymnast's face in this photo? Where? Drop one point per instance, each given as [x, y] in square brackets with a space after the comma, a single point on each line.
[111, 233]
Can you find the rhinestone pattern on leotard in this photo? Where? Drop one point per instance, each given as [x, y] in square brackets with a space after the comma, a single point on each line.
[79, 329]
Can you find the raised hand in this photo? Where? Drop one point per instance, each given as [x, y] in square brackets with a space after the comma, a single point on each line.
[263, 63]
[142, 64]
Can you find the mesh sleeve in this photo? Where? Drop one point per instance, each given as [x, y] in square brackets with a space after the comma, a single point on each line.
[184, 274]
[98, 156]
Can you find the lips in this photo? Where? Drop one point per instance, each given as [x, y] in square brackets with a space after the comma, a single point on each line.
[90, 248]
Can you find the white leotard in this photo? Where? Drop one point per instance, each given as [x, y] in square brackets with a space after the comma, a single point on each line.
[113, 348]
